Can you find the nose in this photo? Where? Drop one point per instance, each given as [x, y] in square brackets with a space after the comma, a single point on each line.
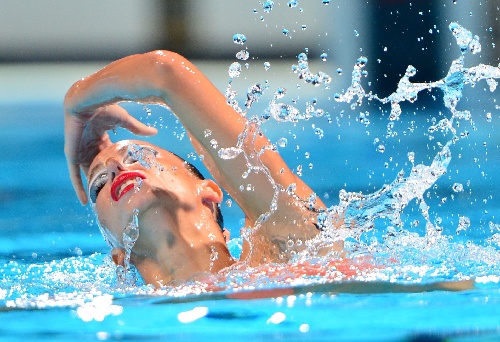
[114, 167]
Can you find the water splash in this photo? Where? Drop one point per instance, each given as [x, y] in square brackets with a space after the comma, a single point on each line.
[465, 40]
[361, 211]
[303, 72]
[451, 85]
[146, 156]
[358, 211]
[253, 94]
[129, 236]
[356, 89]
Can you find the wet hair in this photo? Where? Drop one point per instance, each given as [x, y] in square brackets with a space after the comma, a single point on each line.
[195, 172]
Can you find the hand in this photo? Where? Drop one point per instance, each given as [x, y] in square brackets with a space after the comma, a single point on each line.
[86, 135]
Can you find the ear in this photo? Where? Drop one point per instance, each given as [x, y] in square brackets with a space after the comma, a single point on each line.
[210, 191]
[118, 256]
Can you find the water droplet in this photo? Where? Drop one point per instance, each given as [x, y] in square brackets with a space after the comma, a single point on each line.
[214, 143]
[339, 71]
[457, 187]
[239, 38]
[282, 142]
[326, 2]
[267, 65]
[268, 6]
[324, 56]
[214, 255]
[411, 157]
[293, 3]
[229, 203]
[230, 152]
[463, 223]
[242, 55]
[290, 190]
[280, 92]
[319, 132]
[285, 32]
[283, 112]
[253, 94]
[303, 27]
[381, 148]
[137, 184]
[234, 70]
[356, 33]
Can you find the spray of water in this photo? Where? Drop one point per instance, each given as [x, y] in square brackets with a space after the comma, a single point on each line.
[129, 236]
[359, 211]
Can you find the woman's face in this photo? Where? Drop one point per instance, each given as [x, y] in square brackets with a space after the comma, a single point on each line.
[133, 175]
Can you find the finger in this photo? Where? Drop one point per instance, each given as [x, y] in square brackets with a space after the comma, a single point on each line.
[125, 120]
[76, 180]
[137, 127]
[72, 132]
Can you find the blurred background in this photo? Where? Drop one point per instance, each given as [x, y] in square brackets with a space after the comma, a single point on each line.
[61, 31]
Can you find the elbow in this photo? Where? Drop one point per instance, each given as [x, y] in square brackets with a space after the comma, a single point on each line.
[164, 58]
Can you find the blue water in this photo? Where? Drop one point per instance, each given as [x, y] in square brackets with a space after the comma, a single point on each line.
[57, 281]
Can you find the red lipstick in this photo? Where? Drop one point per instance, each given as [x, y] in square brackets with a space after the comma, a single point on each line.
[121, 184]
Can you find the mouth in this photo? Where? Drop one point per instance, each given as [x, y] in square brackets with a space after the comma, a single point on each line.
[124, 183]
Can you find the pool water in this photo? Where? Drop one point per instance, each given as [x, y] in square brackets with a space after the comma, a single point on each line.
[58, 283]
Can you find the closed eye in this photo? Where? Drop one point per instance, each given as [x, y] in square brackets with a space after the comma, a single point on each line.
[97, 185]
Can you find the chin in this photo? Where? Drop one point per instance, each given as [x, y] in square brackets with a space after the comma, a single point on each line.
[141, 200]
[121, 212]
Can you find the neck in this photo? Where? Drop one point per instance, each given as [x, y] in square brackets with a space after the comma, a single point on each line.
[175, 244]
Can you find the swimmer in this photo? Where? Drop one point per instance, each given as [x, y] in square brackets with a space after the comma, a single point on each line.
[177, 209]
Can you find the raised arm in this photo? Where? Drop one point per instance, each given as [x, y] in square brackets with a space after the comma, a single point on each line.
[168, 78]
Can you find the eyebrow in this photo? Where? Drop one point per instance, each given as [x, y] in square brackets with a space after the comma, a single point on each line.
[100, 165]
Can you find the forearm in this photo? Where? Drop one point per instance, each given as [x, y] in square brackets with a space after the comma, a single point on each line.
[168, 78]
